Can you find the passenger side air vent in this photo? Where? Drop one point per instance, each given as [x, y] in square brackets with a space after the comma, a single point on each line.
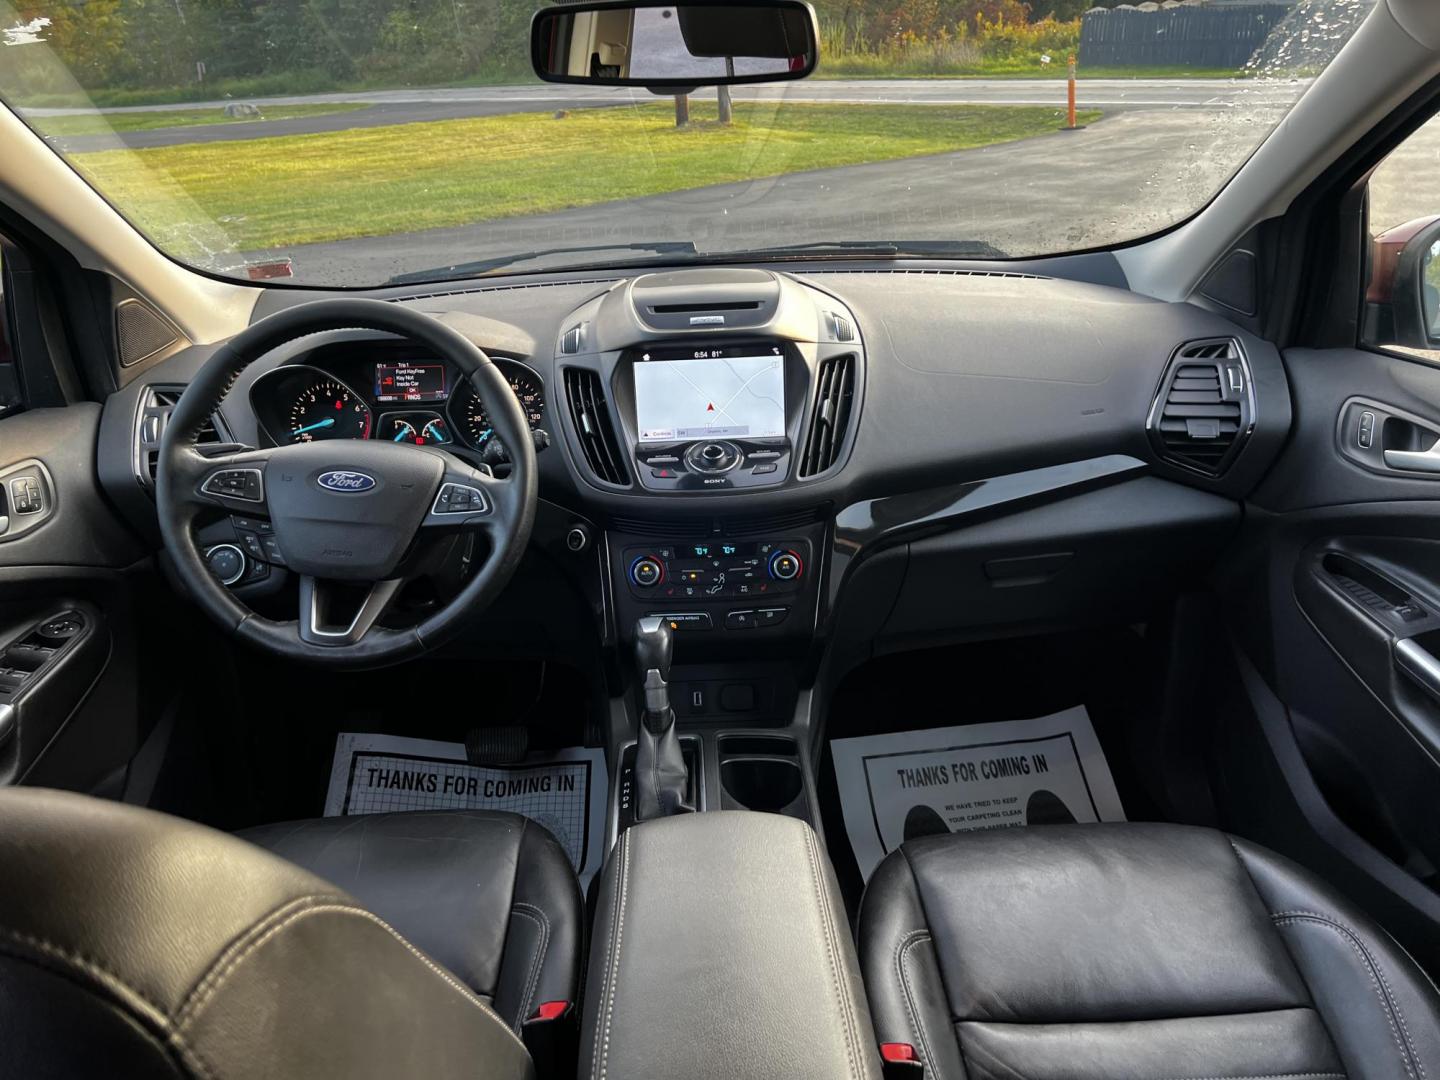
[588, 412]
[834, 396]
[1204, 409]
[156, 405]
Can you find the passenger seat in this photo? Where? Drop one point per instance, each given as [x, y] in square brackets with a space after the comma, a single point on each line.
[1128, 951]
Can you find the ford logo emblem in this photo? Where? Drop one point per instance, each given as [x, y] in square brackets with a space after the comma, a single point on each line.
[346, 481]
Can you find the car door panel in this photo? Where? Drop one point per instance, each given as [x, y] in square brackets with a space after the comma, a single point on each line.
[1350, 550]
[69, 571]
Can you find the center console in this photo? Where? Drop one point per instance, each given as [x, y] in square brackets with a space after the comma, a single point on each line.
[776, 955]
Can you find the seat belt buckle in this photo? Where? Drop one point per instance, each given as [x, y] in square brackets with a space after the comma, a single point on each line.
[552, 1035]
[899, 1061]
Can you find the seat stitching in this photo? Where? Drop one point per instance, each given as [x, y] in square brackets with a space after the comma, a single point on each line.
[72, 961]
[250, 932]
[833, 954]
[530, 911]
[341, 909]
[1372, 966]
[1267, 1076]
[902, 951]
[613, 968]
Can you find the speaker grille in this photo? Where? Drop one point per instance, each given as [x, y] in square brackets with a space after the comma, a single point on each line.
[141, 333]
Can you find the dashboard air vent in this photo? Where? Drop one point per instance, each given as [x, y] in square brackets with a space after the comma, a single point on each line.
[156, 405]
[1204, 408]
[834, 395]
[585, 395]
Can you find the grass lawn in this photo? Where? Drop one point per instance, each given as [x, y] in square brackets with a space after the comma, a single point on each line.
[101, 124]
[300, 189]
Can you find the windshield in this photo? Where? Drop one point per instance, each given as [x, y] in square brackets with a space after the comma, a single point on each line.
[352, 142]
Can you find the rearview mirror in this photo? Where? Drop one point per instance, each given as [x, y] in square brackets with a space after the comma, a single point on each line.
[679, 46]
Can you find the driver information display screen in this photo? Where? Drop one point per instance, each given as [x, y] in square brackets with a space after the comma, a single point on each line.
[407, 381]
[711, 394]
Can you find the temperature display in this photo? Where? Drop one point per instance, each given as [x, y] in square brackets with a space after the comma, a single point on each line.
[405, 381]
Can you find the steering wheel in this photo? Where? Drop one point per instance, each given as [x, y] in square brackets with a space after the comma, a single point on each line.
[346, 513]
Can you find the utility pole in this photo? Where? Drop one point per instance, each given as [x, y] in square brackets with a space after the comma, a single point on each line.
[682, 110]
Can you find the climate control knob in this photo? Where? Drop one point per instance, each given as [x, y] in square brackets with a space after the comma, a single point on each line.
[785, 566]
[647, 571]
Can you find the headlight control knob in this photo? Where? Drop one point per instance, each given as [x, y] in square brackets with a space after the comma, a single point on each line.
[226, 562]
[785, 566]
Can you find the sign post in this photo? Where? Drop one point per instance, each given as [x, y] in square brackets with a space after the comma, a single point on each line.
[1070, 124]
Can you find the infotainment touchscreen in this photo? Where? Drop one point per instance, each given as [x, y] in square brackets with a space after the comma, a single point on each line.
[407, 380]
[723, 393]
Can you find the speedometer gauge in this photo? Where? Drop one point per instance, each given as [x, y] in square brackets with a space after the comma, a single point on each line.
[326, 409]
[475, 421]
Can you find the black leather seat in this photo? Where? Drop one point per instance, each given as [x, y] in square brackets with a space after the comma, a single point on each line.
[1134, 951]
[139, 945]
[491, 896]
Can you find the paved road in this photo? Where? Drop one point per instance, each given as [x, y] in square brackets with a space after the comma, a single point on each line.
[1202, 93]
[1125, 176]
[413, 106]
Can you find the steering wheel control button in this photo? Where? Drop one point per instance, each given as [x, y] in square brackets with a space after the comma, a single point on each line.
[226, 563]
[255, 525]
[688, 620]
[459, 499]
[740, 620]
[712, 457]
[272, 551]
[785, 566]
[647, 571]
[243, 484]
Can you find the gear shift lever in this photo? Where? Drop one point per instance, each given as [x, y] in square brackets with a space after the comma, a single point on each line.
[661, 778]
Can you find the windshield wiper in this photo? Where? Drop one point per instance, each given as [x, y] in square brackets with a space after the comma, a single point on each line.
[949, 249]
[481, 266]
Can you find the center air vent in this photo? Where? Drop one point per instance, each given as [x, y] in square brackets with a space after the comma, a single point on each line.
[834, 399]
[585, 395]
[1204, 409]
[156, 405]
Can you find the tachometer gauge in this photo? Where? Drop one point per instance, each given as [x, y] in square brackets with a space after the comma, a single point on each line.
[326, 409]
[475, 422]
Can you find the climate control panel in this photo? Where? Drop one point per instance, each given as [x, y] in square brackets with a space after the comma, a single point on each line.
[716, 570]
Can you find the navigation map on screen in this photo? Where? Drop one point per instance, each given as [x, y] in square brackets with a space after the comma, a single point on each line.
[717, 397]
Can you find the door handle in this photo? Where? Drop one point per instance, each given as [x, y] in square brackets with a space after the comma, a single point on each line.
[1415, 460]
[1418, 662]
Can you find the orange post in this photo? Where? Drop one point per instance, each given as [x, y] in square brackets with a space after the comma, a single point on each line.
[1070, 96]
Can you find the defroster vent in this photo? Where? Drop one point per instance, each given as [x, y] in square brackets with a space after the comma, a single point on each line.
[1205, 407]
[585, 395]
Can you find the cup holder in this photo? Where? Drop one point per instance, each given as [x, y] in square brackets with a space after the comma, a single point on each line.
[771, 785]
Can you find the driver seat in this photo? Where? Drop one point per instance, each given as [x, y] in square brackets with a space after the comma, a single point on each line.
[141, 945]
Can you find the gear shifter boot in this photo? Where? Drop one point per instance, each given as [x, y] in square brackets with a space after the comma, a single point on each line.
[661, 779]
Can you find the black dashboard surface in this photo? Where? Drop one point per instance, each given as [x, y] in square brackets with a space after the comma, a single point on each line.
[969, 375]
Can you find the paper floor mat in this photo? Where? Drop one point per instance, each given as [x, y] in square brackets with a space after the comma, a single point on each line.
[565, 791]
[981, 776]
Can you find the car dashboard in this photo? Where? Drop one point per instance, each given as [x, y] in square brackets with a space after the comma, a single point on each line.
[771, 459]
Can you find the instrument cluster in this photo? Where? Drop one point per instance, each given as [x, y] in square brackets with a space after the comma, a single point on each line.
[403, 399]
